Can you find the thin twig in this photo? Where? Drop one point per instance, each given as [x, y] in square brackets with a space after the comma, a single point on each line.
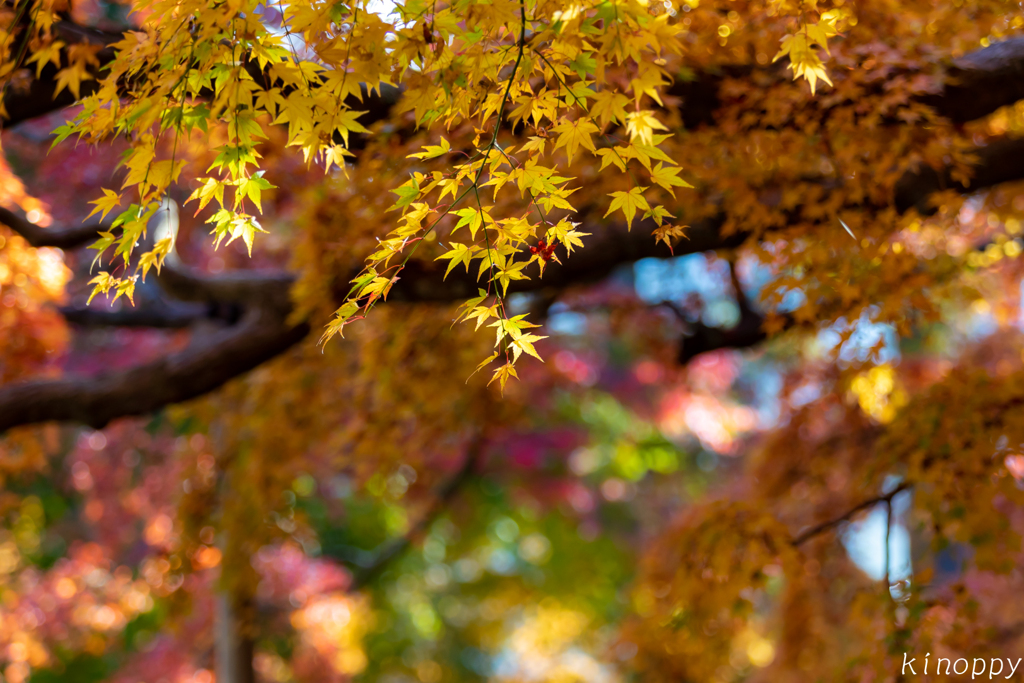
[741, 297]
[845, 517]
[888, 530]
[390, 550]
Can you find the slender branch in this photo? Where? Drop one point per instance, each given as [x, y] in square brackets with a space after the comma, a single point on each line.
[747, 332]
[849, 514]
[741, 297]
[389, 551]
[888, 530]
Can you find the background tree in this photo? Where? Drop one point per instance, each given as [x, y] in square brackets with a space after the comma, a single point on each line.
[776, 439]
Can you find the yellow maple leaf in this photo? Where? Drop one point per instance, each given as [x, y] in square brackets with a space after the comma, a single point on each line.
[609, 105]
[48, 54]
[628, 202]
[666, 176]
[641, 126]
[71, 77]
[105, 204]
[574, 134]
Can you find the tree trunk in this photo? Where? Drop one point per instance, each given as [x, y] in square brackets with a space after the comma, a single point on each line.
[233, 646]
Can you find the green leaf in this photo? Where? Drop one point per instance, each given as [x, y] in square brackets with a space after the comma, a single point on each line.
[407, 194]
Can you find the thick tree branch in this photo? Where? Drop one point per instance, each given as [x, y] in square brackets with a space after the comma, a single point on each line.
[264, 288]
[985, 79]
[420, 281]
[237, 350]
[159, 314]
[975, 85]
[610, 247]
[61, 238]
[200, 368]
[997, 163]
[746, 333]
[982, 81]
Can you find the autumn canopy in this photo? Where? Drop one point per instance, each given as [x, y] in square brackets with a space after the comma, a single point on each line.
[513, 341]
